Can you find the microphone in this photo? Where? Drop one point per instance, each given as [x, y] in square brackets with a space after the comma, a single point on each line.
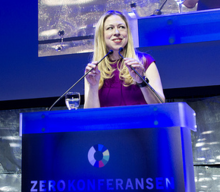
[109, 52]
[158, 11]
[151, 88]
[119, 52]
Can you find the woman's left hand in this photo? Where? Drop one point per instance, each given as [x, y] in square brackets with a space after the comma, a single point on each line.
[138, 66]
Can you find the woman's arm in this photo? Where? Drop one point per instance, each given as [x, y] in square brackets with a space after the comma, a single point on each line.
[190, 3]
[91, 86]
[155, 82]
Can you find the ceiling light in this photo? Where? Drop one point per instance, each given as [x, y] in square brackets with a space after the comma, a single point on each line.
[48, 33]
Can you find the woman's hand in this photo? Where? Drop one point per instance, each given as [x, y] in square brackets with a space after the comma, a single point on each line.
[92, 86]
[137, 65]
[93, 76]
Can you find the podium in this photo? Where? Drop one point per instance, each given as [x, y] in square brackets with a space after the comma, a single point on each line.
[129, 148]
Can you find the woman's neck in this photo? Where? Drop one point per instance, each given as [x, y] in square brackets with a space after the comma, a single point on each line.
[115, 56]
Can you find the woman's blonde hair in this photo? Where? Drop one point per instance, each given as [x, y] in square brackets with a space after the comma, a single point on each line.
[100, 49]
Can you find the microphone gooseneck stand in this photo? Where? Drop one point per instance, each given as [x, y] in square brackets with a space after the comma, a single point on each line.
[110, 52]
[151, 88]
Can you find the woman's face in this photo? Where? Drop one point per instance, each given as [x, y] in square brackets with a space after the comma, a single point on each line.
[115, 33]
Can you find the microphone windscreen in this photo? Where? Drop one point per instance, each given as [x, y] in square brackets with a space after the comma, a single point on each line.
[110, 52]
[120, 49]
[119, 52]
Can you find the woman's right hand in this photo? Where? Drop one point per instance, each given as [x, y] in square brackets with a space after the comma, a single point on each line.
[93, 76]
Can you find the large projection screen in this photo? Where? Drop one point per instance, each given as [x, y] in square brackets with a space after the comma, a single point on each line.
[25, 75]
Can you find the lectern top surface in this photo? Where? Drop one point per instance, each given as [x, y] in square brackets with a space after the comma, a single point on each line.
[139, 116]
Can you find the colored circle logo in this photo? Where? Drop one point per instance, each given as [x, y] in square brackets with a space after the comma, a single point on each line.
[98, 155]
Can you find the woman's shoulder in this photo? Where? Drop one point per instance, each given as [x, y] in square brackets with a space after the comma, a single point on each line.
[146, 58]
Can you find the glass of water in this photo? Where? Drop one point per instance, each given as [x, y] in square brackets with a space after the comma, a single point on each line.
[72, 100]
[180, 5]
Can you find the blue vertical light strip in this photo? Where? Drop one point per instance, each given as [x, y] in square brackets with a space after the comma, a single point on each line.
[183, 157]
[20, 124]
[188, 168]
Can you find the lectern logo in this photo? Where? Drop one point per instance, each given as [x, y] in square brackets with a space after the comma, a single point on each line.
[98, 155]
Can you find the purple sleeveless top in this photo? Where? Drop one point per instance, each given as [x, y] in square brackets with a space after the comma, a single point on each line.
[114, 93]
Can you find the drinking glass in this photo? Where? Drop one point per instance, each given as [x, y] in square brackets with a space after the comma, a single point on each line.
[180, 5]
[72, 100]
